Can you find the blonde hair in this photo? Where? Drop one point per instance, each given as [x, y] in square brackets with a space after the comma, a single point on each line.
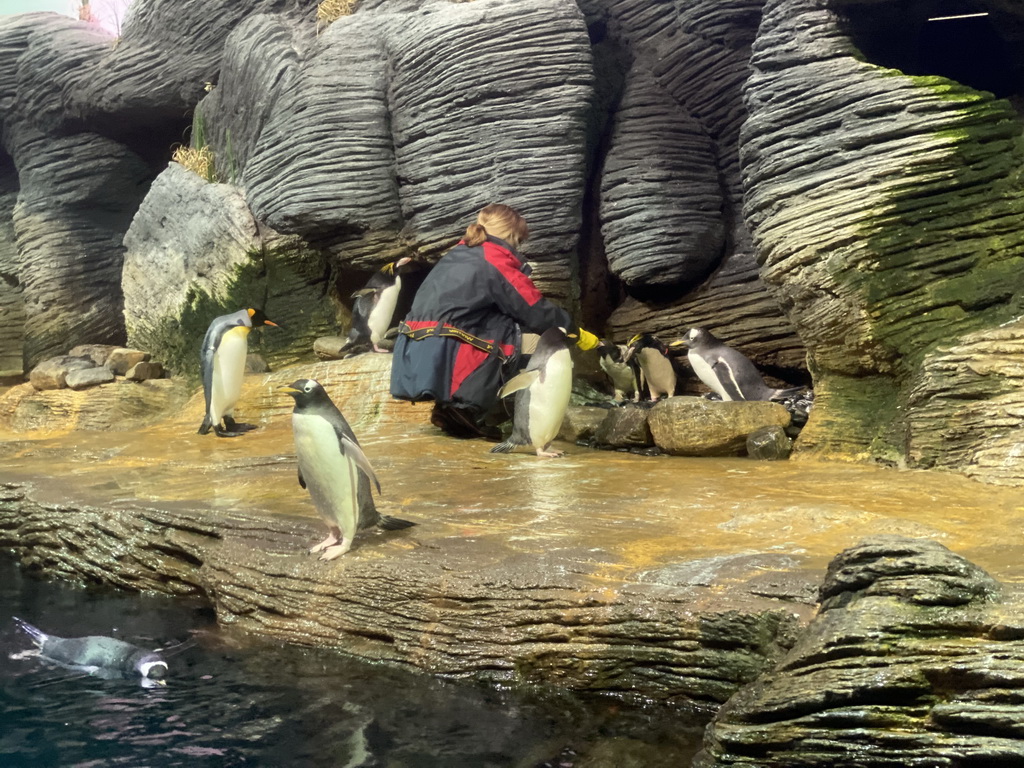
[498, 220]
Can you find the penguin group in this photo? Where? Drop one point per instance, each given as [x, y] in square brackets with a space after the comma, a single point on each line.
[649, 368]
[337, 474]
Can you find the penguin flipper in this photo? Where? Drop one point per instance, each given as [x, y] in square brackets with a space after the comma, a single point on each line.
[38, 636]
[302, 480]
[389, 523]
[727, 377]
[363, 292]
[351, 449]
[782, 394]
[521, 380]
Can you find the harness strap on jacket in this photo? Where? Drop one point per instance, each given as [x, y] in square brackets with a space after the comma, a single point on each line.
[437, 329]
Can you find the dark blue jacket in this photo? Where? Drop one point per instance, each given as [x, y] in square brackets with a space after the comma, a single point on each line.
[474, 297]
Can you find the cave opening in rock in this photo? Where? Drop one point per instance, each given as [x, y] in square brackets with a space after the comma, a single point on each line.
[969, 42]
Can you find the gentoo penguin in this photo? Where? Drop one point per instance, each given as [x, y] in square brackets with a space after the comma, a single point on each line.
[100, 656]
[726, 370]
[623, 376]
[543, 390]
[222, 360]
[374, 306]
[656, 369]
[334, 469]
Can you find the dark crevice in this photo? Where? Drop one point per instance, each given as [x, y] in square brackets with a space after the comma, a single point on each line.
[976, 43]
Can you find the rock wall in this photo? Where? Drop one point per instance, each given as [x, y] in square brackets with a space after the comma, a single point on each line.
[886, 212]
[914, 659]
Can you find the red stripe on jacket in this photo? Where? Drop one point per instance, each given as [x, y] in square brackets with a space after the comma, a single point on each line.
[468, 359]
[509, 267]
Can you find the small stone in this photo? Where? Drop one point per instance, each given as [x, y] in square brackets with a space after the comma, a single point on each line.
[624, 427]
[84, 378]
[581, 423]
[145, 370]
[769, 444]
[329, 347]
[52, 373]
[255, 363]
[122, 358]
[98, 353]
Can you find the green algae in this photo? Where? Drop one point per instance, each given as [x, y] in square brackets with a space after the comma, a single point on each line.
[285, 278]
[946, 259]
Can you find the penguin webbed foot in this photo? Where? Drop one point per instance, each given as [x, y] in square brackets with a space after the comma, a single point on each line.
[330, 541]
[337, 550]
[219, 431]
[546, 454]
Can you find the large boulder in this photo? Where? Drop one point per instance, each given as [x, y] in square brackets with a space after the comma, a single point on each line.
[914, 659]
[695, 426]
[194, 251]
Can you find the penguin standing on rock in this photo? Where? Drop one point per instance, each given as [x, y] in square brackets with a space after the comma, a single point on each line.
[374, 307]
[104, 657]
[656, 369]
[727, 371]
[334, 469]
[222, 360]
[622, 375]
[542, 395]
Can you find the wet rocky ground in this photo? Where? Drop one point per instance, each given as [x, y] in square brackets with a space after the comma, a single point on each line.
[678, 579]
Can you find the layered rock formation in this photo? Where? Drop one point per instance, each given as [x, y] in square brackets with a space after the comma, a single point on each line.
[914, 659]
[886, 210]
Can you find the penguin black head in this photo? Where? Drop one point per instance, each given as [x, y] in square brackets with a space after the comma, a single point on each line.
[607, 349]
[308, 393]
[257, 318]
[699, 337]
[395, 267]
[152, 667]
[644, 341]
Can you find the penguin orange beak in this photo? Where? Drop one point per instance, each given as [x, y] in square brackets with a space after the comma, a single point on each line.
[271, 322]
[288, 389]
[679, 343]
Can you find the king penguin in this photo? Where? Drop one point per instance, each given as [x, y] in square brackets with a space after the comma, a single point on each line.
[727, 371]
[100, 656]
[334, 469]
[374, 307]
[656, 369]
[222, 360]
[543, 390]
[623, 376]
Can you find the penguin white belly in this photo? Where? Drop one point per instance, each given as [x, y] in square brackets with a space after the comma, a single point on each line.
[549, 399]
[661, 376]
[331, 477]
[383, 311]
[707, 374]
[228, 372]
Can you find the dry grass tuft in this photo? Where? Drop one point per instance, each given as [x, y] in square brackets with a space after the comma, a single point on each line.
[199, 161]
[332, 10]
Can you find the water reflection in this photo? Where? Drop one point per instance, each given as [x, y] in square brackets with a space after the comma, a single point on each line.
[231, 701]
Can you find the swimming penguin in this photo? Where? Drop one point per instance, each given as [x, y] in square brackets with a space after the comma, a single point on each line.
[543, 391]
[100, 656]
[656, 369]
[374, 306]
[222, 360]
[623, 376]
[334, 469]
[726, 370]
